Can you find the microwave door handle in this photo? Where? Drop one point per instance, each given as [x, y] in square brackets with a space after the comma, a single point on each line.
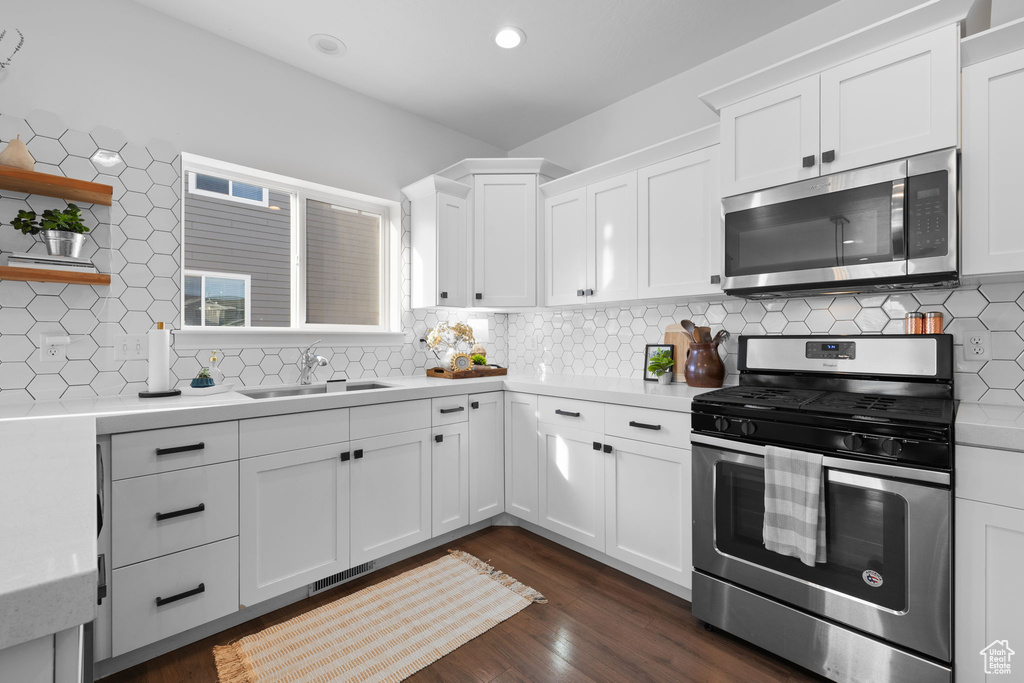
[899, 235]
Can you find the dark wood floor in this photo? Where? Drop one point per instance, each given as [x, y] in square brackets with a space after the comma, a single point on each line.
[599, 625]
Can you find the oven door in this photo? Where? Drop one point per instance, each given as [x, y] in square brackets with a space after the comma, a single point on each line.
[888, 543]
[848, 226]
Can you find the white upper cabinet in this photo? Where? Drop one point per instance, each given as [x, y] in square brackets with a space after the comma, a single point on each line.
[893, 103]
[680, 226]
[505, 240]
[771, 139]
[440, 239]
[993, 147]
[565, 270]
[611, 239]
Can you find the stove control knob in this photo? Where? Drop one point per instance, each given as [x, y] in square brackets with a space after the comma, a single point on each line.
[721, 424]
[747, 428]
[892, 447]
[852, 442]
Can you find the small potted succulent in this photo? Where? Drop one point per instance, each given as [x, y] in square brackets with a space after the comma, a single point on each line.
[62, 230]
[660, 365]
[202, 380]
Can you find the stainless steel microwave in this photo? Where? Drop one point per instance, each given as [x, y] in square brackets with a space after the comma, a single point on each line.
[889, 226]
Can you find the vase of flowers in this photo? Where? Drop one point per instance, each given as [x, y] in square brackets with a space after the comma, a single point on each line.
[445, 339]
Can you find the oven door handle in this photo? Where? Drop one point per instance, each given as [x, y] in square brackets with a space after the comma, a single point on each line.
[833, 463]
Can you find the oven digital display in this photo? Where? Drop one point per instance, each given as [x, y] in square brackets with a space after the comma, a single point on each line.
[833, 350]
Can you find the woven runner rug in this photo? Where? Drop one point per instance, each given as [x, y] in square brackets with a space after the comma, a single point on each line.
[385, 632]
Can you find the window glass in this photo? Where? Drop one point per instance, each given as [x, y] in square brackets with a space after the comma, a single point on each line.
[343, 264]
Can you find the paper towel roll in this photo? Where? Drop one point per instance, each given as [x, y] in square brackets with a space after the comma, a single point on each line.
[159, 359]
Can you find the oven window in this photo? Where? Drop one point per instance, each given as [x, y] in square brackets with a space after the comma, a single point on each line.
[844, 228]
[867, 530]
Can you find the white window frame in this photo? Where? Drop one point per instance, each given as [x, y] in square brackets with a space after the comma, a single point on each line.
[265, 202]
[387, 333]
[202, 294]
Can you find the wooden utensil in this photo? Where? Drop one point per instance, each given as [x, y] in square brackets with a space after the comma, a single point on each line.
[703, 335]
[680, 339]
[689, 327]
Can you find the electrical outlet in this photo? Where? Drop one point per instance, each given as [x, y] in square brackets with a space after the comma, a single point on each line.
[131, 347]
[53, 349]
[978, 345]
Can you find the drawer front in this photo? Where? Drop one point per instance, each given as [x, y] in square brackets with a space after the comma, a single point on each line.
[163, 450]
[195, 586]
[195, 506]
[390, 418]
[265, 435]
[568, 412]
[448, 410]
[646, 424]
[990, 476]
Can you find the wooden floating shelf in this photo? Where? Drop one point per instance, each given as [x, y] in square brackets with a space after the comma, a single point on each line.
[61, 276]
[55, 186]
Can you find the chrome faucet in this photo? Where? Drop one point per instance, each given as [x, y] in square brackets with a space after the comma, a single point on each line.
[309, 362]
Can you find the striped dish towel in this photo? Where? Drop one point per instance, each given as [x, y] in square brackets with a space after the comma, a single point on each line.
[794, 504]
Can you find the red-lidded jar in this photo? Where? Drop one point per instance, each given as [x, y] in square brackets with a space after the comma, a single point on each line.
[933, 323]
[913, 323]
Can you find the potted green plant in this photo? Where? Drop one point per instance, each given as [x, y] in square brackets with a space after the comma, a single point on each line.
[62, 230]
[660, 365]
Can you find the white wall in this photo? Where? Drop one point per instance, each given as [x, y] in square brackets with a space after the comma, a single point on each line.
[120, 64]
[671, 108]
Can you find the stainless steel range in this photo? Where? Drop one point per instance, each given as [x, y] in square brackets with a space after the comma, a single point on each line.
[880, 412]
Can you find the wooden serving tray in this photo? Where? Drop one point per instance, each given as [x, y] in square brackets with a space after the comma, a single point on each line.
[477, 371]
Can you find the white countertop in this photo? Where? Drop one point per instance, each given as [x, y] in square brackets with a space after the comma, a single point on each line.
[47, 526]
[990, 425]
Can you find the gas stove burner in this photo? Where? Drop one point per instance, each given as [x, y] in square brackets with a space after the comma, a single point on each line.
[878, 408]
[760, 398]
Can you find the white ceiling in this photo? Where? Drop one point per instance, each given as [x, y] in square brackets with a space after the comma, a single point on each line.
[438, 59]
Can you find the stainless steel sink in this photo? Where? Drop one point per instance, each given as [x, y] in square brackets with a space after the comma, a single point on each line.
[311, 390]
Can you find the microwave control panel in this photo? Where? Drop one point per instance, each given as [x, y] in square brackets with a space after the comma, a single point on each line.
[834, 350]
[927, 215]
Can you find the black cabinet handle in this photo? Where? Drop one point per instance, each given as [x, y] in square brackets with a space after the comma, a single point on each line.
[345, 456]
[439, 438]
[474, 405]
[716, 279]
[828, 157]
[201, 588]
[641, 425]
[566, 413]
[808, 161]
[181, 449]
[161, 516]
[597, 446]
[448, 411]
[580, 292]
[479, 296]
[101, 588]
[589, 292]
[357, 454]
[607, 448]
[444, 295]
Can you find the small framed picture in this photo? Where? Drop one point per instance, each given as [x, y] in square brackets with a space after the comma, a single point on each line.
[651, 350]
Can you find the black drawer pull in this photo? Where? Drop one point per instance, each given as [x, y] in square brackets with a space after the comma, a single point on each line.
[101, 588]
[566, 413]
[641, 425]
[357, 454]
[474, 405]
[589, 292]
[181, 449]
[439, 438]
[161, 516]
[345, 456]
[597, 446]
[479, 296]
[201, 588]
[444, 295]
[828, 157]
[607, 448]
[579, 292]
[808, 161]
[448, 411]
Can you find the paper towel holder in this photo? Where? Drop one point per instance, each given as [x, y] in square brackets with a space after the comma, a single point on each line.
[159, 394]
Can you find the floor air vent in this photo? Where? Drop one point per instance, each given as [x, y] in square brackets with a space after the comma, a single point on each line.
[341, 577]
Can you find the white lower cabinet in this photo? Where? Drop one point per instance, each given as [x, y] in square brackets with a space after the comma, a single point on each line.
[522, 459]
[449, 473]
[647, 510]
[294, 520]
[572, 487]
[390, 505]
[486, 455]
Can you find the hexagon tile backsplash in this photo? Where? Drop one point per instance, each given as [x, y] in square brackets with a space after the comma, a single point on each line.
[143, 230]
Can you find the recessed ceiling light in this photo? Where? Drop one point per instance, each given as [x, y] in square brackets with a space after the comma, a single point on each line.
[327, 45]
[510, 37]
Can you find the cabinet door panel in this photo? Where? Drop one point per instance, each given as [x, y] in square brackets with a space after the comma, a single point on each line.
[892, 103]
[452, 257]
[565, 254]
[505, 240]
[989, 592]
[993, 148]
[521, 456]
[572, 491]
[294, 520]
[486, 455]
[611, 238]
[450, 478]
[680, 226]
[647, 491]
[765, 138]
[390, 494]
